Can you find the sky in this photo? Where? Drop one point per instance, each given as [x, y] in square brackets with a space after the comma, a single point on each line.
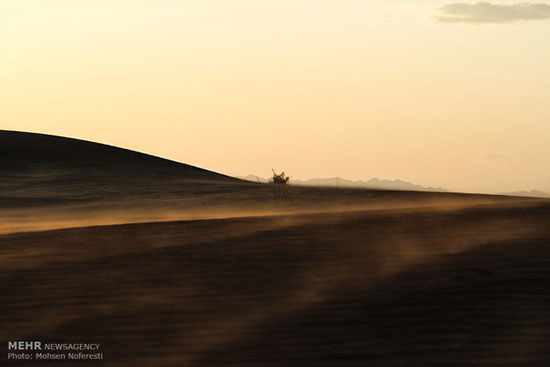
[439, 93]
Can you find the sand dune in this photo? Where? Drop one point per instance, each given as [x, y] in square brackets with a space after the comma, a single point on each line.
[319, 277]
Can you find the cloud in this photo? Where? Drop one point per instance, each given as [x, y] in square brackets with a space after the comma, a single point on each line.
[485, 12]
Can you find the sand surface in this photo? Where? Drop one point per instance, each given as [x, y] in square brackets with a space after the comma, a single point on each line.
[214, 271]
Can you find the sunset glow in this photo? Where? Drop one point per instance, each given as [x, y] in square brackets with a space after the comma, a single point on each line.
[392, 89]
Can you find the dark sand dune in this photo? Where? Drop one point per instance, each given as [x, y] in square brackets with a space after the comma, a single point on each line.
[43, 169]
[24, 152]
[59, 182]
[318, 277]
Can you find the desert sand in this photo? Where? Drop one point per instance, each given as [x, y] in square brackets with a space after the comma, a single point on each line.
[166, 264]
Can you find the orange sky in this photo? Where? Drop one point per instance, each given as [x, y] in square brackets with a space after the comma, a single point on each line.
[317, 88]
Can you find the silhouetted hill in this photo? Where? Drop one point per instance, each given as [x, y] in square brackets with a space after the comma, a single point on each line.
[22, 152]
[38, 169]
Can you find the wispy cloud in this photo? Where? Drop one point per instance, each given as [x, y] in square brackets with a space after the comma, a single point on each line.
[486, 12]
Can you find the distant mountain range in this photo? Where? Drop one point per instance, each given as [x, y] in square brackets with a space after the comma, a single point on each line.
[376, 183]
[532, 193]
[373, 183]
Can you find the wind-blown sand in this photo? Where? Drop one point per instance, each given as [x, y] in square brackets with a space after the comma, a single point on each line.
[314, 277]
